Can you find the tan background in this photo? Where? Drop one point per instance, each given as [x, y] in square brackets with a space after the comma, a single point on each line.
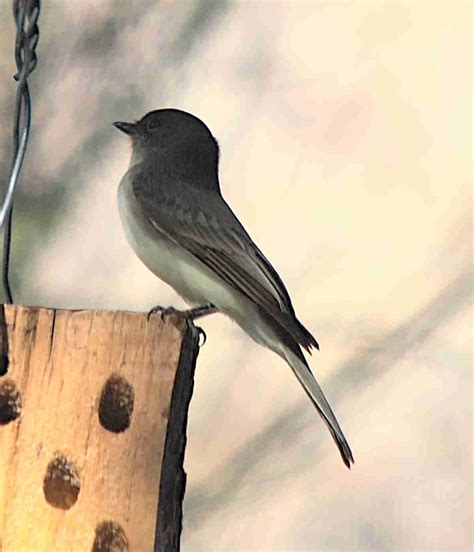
[345, 132]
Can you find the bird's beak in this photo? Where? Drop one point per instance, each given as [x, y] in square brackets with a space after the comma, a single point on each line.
[128, 128]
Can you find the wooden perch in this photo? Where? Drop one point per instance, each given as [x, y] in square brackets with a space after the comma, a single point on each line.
[93, 414]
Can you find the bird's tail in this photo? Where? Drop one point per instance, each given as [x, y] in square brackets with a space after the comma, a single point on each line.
[308, 381]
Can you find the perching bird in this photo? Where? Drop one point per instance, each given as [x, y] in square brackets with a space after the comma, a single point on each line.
[180, 226]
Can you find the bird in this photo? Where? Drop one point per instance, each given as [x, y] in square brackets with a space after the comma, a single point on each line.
[178, 223]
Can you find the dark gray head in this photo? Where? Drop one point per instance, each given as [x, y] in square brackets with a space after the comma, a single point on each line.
[174, 139]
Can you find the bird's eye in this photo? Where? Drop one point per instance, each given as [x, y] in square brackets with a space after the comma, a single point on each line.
[154, 123]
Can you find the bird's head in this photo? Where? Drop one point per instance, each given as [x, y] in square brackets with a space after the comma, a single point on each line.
[170, 132]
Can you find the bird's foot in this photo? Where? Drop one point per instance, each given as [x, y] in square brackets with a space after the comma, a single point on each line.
[190, 315]
[163, 311]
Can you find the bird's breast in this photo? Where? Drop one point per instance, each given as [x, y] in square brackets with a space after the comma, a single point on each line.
[169, 261]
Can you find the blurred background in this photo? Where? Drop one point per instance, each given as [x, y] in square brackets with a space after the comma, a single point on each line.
[345, 134]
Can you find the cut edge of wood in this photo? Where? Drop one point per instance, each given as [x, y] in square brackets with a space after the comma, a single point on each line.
[173, 477]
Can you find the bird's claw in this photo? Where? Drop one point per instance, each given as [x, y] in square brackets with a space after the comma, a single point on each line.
[166, 311]
[201, 333]
[162, 311]
[196, 329]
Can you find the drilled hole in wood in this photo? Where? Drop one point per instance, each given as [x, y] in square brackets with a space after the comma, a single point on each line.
[61, 484]
[3, 368]
[116, 404]
[10, 402]
[110, 537]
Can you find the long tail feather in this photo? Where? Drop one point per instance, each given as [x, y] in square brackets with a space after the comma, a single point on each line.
[308, 381]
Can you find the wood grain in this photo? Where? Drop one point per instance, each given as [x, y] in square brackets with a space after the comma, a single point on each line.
[59, 362]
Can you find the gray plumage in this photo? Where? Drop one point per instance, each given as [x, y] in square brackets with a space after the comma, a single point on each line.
[180, 226]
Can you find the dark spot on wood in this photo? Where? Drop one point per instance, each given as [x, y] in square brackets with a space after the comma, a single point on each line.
[110, 537]
[116, 404]
[10, 402]
[3, 342]
[61, 484]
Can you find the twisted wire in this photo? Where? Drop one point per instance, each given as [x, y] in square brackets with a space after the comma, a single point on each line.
[25, 13]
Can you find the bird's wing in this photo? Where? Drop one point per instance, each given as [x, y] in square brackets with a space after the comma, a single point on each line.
[212, 233]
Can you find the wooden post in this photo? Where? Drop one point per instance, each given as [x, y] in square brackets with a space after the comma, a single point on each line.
[93, 413]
